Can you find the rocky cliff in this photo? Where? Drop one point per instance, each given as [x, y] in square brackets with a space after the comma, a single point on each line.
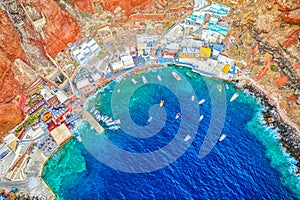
[83, 5]
[10, 49]
[129, 6]
[12, 117]
[60, 28]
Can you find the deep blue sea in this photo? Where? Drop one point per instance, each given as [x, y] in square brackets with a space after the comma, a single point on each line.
[248, 164]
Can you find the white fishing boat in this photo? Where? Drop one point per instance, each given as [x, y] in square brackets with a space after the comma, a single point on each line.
[200, 118]
[177, 116]
[133, 81]
[176, 76]
[201, 101]
[144, 79]
[187, 138]
[193, 98]
[149, 120]
[161, 104]
[158, 77]
[234, 97]
[114, 128]
[219, 86]
[117, 121]
[79, 138]
[223, 136]
[119, 90]
[226, 86]
[110, 123]
[108, 120]
[105, 118]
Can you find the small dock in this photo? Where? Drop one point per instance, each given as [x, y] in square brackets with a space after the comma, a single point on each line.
[86, 115]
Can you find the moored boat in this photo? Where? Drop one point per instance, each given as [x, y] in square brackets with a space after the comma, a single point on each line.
[219, 86]
[109, 120]
[161, 104]
[187, 138]
[133, 81]
[158, 77]
[200, 118]
[114, 128]
[223, 136]
[144, 79]
[176, 76]
[105, 118]
[226, 86]
[117, 121]
[193, 98]
[234, 97]
[201, 101]
[79, 138]
[150, 119]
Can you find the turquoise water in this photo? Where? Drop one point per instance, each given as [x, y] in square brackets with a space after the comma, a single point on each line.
[248, 164]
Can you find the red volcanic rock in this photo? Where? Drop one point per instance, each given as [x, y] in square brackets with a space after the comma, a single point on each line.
[10, 49]
[83, 5]
[127, 5]
[12, 117]
[60, 28]
[10, 42]
[292, 38]
[292, 16]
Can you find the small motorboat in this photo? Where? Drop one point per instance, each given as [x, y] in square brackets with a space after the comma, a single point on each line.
[158, 77]
[177, 116]
[226, 86]
[234, 97]
[133, 81]
[105, 118]
[161, 104]
[144, 79]
[200, 118]
[109, 120]
[223, 136]
[79, 138]
[193, 98]
[187, 138]
[219, 86]
[114, 128]
[119, 90]
[149, 120]
[201, 101]
[176, 76]
[117, 121]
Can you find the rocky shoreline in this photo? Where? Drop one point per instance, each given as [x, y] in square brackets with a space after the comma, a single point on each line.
[289, 135]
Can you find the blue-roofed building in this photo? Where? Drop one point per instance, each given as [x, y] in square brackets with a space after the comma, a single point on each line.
[219, 8]
[217, 49]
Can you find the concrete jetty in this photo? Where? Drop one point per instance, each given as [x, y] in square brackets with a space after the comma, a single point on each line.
[86, 115]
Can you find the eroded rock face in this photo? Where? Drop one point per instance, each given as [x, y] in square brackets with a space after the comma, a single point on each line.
[83, 5]
[293, 16]
[60, 28]
[10, 49]
[12, 117]
[129, 6]
[10, 42]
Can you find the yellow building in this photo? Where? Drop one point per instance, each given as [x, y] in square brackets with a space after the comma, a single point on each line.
[226, 68]
[205, 52]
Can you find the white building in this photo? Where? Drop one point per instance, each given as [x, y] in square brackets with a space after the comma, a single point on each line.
[86, 51]
[127, 62]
